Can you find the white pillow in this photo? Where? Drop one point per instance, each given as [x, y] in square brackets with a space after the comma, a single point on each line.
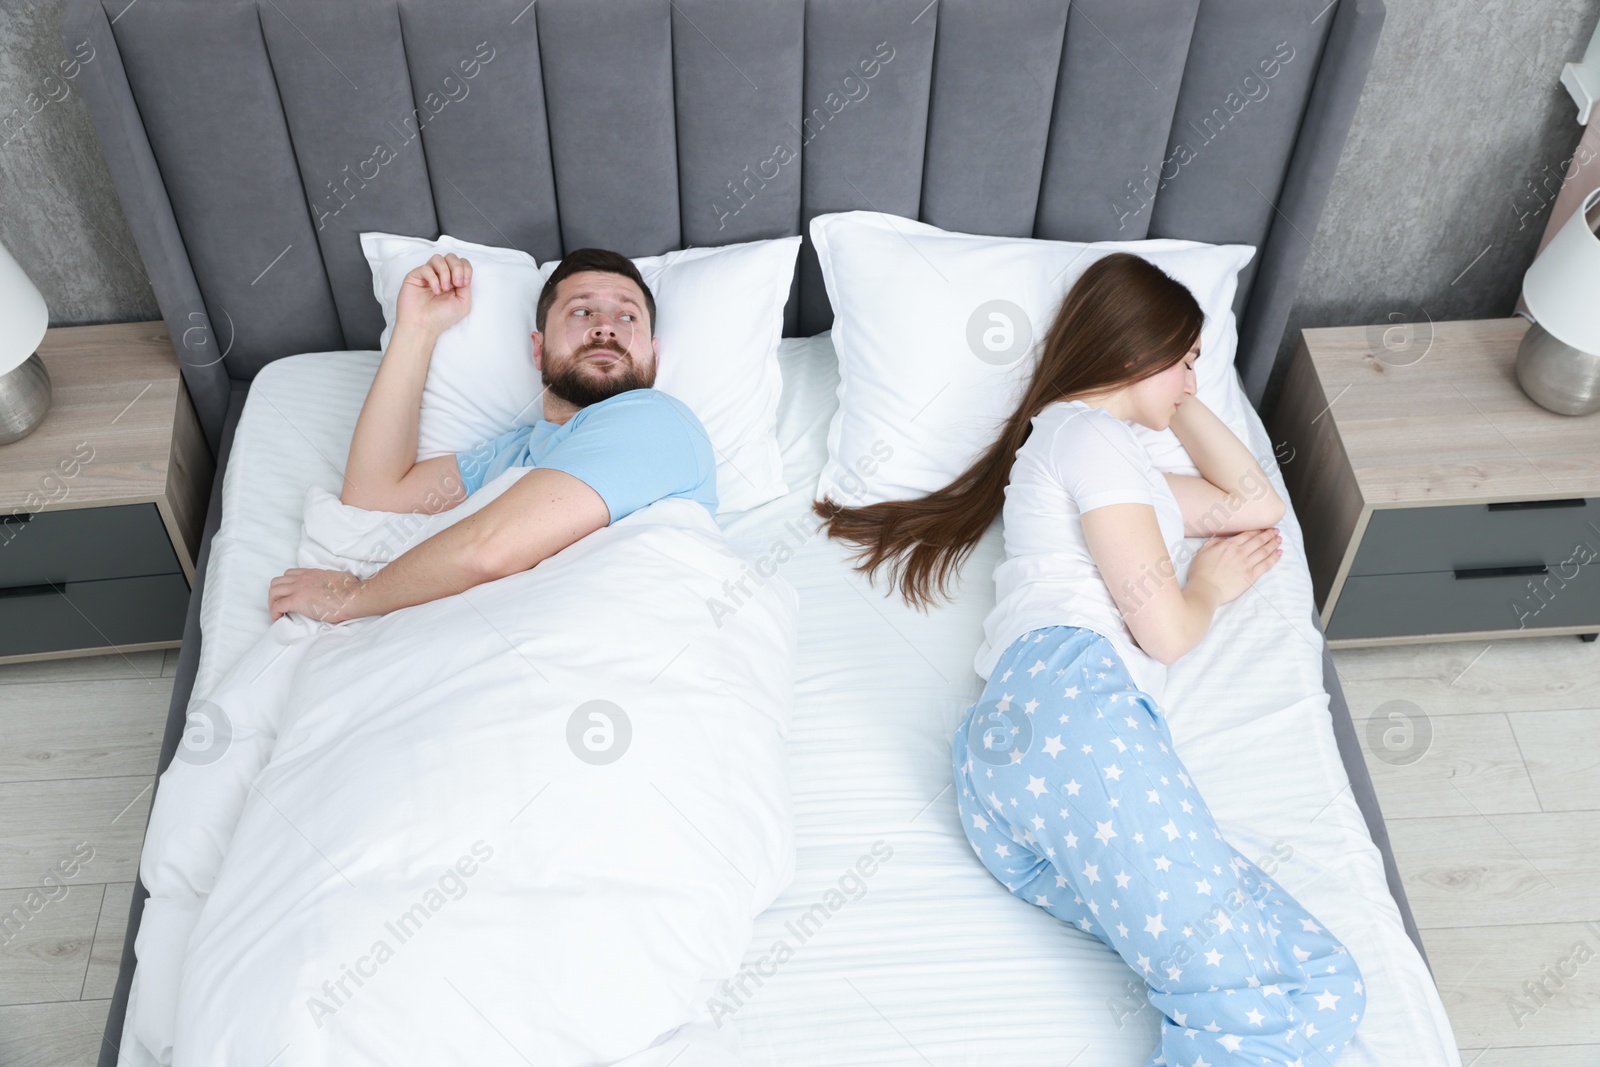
[719, 315]
[937, 334]
[482, 381]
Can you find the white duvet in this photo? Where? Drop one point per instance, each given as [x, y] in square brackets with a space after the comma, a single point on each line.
[529, 824]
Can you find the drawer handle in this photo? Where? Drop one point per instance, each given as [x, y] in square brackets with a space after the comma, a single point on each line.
[1529, 570]
[27, 590]
[16, 518]
[1533, 505]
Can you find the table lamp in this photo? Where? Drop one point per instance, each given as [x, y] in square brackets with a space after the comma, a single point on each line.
[1558, 365]
[24, 384]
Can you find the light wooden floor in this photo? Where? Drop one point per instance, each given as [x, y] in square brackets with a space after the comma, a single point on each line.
[1496, 830]
[1497, 834]
[79, 740]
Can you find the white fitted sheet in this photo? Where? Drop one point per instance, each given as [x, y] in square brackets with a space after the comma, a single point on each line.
[933, 962]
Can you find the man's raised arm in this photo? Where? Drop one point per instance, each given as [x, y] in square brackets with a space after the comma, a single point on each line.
[382, 472]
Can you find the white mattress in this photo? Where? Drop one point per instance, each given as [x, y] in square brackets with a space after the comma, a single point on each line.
[929, 960]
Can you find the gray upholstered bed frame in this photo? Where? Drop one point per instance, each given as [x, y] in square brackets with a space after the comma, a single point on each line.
[251, 143]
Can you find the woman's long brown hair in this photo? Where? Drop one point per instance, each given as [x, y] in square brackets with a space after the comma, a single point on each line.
[1122, 321]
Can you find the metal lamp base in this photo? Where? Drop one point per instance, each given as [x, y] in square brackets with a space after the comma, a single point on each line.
[24, 399]
[1556, 376]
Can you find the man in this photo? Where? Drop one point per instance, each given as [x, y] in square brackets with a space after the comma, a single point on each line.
[608, 444]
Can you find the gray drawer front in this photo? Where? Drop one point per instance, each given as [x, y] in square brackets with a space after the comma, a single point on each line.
[85, 545]
[1396, 605]
[1410, 540]
[120, 611]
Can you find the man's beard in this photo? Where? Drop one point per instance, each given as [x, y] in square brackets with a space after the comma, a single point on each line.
[579, 389]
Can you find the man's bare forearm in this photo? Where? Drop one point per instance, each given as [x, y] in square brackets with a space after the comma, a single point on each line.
[543, 512]
[384, 447]
[444, 565]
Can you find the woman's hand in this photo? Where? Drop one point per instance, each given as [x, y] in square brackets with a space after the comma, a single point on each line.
[1230, 565]
[436, 295]
[327, 596]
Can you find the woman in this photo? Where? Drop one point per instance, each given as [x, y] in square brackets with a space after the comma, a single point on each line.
[1068, 786]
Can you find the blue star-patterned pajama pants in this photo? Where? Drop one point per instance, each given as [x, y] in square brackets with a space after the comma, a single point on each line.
[1072, 796]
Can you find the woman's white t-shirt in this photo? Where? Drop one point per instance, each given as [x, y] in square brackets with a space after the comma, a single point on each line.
[1077, 458]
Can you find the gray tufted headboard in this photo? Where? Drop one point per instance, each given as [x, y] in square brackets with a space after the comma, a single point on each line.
[252, 142]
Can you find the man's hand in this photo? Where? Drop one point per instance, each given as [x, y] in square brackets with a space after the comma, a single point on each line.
[435, 296]
[327, 596]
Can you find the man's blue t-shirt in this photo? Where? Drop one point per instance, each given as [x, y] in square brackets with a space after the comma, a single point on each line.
[633, 449]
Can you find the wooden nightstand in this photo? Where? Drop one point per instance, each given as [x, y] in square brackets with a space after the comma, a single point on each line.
[1438, 502]
[102, 506]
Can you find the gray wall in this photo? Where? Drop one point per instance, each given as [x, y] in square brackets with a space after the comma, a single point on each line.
[1436, 209]
[1454, 159]
[59, 215]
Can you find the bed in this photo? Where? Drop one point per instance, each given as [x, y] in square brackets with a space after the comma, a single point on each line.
[213, 120]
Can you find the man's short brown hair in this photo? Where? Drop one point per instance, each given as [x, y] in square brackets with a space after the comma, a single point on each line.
[599, 259]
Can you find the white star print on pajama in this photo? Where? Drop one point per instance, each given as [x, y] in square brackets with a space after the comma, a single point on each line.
[1072, 796]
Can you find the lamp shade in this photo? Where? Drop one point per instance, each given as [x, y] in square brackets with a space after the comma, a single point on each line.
[1562, 286]
[22, 313]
